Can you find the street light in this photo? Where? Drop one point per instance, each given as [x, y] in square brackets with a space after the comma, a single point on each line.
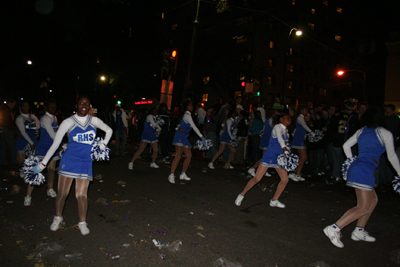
[29, 62]
[342, 72]
[103, 78]
[298, 33]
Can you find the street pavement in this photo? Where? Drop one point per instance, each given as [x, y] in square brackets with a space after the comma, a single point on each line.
[130, 209]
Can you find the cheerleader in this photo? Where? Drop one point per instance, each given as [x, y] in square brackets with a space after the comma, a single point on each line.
[372, 141]
[181, 142]
[278, 144]
[148, 136]
[27, 127]
[298, 142]
[226, 137]
[264, 142]
[76, 161]
[48, 129]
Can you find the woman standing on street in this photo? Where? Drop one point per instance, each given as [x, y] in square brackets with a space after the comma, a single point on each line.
[372, 141]
[181, 142]
[27, 126]
[148, 137]
[278, 144]
[76, 161]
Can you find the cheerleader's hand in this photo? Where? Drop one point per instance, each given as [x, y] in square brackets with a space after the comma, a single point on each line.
[287, 153]
[38, 168]
[102, 146]
[203, 140]
[312, 134]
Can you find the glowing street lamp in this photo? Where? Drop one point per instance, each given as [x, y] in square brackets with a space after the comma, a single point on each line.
[103, 78]
[342, 72]
[29, 62]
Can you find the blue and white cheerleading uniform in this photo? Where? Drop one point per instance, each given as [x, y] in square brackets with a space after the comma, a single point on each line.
[264, 142]
[28, 125]
[48, 129]
[186, 125]
[372, 142]
[300, 132]
[279, 139]
[76, 161]
[227, 134]
[148, 135]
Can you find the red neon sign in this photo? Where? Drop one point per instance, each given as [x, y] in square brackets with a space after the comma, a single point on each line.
[144, 102]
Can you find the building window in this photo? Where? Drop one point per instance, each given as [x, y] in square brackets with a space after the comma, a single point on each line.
[206, 80]
[205, 98]
[293, 2]
[339, 10]
[313, 11]
[311, 89]
[174, 26]
[290, 67]
[291, 51]
[311, 25]
[325, 2]
[338, 38]
[271, 62]
[271, 80]
[271, 44]
[310, 105]
[289, 85]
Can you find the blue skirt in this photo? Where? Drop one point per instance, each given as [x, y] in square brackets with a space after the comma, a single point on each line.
[149, 138]
[269, 158]
[264, 142]
[180, 139]
[361, 174]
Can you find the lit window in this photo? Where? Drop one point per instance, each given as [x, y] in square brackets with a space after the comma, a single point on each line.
[98, 60]
[310, 105]
[325, 2]
[271, 62]
[313, 11]
[205, 97]
[174, 26]
[339, 10]
[338, 38]
[271, 80]
[290, 67]
[290, 51]
[206, 80]
[293, 2]
[289, 85]
[271, 44]
[311, 25]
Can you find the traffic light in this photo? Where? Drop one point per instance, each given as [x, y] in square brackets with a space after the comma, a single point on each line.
[173, 60]
[119, 102]
[258, 93]
[243, 84]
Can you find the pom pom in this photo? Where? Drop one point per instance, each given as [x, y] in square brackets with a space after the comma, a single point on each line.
[288, 162]
[396, 184]
[99, 150]
[63, 149]
[177, 127]
[159, 120]
[346, 165]
[317, 137]
[28, 150]
[30, 177]
[200, 146]
[234, 142]
[262, 133]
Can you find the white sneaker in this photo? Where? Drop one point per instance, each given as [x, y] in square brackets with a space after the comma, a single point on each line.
[154, 165]
[211, 166]
[21, 173]
[299, 178]
[333, 236]
[56, 223]
[171, 178]
[276, 203]
[27, 201]
[130, 165]
[228, 166]
[252, 171]
[83, 227]
[362, 235]
[267, 174]
[183, 176]
[51, 193]
[293, 177]
[239, 199]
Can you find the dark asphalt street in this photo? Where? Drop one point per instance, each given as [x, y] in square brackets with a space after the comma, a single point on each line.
[128, 209]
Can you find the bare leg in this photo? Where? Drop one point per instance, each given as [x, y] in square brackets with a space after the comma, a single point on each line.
[142, 146]
[155, 151]
[302, 160]
[366, 203]
[64, 185]
[51, 167]
[175, 162]
[232, 154]
[81, 188]
[219, 152]
[29, 190]
[188, 157]
[259, 174]
[282, 184]
[258, 162]
[20, 159]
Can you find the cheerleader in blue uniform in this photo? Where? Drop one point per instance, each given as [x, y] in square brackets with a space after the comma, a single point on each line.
[278, 144]
[226, 138]
[76, 161]
[372, 141]
[27, 127]
[48, 129]
[181, 142]
[264, 142]
[298, 142]
[148, 136]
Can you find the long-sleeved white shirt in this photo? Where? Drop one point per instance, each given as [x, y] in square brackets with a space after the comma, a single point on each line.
[278, 131]
[66, 124]
[300, 119]
[46, 122]
[19, 121]
[151, 118]
[187, 117]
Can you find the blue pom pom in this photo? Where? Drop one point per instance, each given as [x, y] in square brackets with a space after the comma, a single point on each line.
[346, 165]
[317, 137]
[396, 184]
[99, 150]
[30, 177]
[202, 147]
[288, 163]
[28, 150]
[160, 121]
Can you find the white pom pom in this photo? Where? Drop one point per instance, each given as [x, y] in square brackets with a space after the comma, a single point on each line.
[288, 163]
[318, 135]
[28, 150]
[200, 146]
[234, 142]
[99, 150]
[29, 176]
[261, 133]
[396, 184]
[346, 165]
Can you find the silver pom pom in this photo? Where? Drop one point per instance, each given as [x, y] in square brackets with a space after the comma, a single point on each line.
[318, 135]
[234, 142]
[396, 184]
[99, 150]
[288, 162]
[28, 150]
[30, 177]
[346, 165]
[200, 146]
[261, 133]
